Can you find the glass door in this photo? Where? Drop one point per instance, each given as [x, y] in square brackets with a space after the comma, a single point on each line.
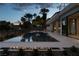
[65, 26]
[73, 27]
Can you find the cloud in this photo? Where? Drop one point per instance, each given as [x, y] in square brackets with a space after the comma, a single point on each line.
[23, 6]
[17, 9]
[20, 6]
[45, 5]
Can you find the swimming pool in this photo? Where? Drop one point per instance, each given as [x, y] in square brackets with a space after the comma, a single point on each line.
[33, 37]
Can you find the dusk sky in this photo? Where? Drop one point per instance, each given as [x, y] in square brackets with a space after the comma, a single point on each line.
[13, 12]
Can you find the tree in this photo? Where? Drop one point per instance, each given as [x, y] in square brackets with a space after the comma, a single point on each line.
[36, 21]
[23, 19]
[26, 25]
[38, 17]
[34, 15]
[29, 16]
[5, 25]
[44, 12]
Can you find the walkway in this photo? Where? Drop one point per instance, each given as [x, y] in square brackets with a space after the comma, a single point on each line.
[63, 42]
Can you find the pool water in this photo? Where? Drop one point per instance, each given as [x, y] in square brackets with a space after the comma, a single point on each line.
[33, 37]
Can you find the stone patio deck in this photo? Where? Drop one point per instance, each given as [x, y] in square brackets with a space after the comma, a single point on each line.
[63, 42]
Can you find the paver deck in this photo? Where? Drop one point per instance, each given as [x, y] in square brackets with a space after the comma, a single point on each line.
[63, 42]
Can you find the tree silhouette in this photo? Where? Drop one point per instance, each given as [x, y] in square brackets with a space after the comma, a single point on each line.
[44, 12]
[23, 19]
[26, 25]
[36, 21]
[29, 16]
[34, 15]
[4, 25]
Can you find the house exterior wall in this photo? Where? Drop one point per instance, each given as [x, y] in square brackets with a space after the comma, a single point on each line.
[78, 26]
[62, 24]
[55, 26]
[70, 29]
[49, 28]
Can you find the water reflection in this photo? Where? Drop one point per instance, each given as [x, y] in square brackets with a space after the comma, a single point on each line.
[37, 36]
[33, 37]
[27, 37]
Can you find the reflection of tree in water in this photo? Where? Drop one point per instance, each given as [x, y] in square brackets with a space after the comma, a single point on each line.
[38, 36]
[26, 36]
[23, 40]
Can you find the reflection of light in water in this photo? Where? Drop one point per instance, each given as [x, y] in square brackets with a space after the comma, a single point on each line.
[31, 39]
[14, 39]
[26, 40]
[38, 34]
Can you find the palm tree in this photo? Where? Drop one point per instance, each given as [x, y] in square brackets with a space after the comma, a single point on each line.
[44, 12]
[29, 16]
